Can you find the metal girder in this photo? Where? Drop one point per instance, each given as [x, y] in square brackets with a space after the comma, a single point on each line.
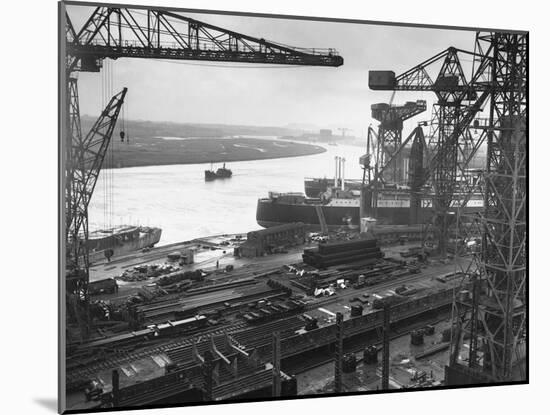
[446, 145]
[84, 157]
[505, 225]
[449, 145]
[380, 168]
[390, 132]
[208, 375]
[216, 352]
[88, 157]
[392, 116]
[113, 32]
[276, 358]
[232, 345]
[495, 311]
[339, 353]
[370, 191]
[449, 83]
[385, 380]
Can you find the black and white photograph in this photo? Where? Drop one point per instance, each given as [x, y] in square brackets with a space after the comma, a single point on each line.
[258, 207]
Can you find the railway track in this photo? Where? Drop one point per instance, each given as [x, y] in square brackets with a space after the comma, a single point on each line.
[254, 336]
[76, 375]
[378, 287]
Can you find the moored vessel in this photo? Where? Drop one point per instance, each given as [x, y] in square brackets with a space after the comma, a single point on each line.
[342, 208]
[111, 242]
[336, 203]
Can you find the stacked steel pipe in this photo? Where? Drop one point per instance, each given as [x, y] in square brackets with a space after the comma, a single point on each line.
[342, 252]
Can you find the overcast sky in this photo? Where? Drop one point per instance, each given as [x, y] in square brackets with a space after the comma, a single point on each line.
[190, 92]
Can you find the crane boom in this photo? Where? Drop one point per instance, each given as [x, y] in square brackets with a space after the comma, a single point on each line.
[449, 78]
[115, 32]
[85, 157]
[89, 156]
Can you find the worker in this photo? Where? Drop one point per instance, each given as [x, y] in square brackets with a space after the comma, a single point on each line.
[217, 264]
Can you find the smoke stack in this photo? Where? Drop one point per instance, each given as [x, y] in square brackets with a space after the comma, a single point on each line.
[343, 167]
[339, 171]
[336, 171]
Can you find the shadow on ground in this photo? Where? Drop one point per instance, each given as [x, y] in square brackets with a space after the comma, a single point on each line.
[48, 403]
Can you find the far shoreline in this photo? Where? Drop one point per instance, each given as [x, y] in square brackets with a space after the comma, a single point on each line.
[206, 151]
[219, 161]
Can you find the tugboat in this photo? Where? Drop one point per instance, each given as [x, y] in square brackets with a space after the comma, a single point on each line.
[221, 173]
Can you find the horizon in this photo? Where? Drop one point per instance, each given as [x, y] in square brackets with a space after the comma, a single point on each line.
[266, 95]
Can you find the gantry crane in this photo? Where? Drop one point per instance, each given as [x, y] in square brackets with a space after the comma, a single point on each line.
[390, 129]
[450, 145]
[134, 32]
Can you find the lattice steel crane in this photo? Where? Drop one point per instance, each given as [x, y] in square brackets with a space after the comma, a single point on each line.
[450, 145]
[390, 132]
[133, 32]
[492, 301]
[494, 311]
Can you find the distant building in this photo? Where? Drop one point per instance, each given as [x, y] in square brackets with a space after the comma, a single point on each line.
[267, 241]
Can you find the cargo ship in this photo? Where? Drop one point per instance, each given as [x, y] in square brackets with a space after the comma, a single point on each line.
[339, 204]
[339, 210]
[109, 243]
[221, 173]
[342, 209]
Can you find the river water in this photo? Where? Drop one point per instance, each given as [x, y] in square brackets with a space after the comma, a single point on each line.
[177, 199]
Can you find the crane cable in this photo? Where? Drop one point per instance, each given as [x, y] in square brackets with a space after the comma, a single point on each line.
[111, 152]
[107, 171]
[104, 175]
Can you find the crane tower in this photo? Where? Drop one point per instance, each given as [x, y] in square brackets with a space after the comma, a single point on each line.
[494, 311]
[390, 132]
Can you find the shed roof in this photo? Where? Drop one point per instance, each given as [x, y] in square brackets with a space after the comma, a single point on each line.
[278, 228]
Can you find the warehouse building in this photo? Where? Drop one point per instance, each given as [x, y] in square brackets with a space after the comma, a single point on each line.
[270, 240]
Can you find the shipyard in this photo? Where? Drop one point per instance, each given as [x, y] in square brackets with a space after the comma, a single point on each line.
[216, 262]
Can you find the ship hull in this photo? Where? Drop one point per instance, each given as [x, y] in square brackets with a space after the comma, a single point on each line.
[119, 247]
[271, 213]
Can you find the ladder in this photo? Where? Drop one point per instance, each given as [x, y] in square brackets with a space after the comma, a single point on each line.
[322, 220]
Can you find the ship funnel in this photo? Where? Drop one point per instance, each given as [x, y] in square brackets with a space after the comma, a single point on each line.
[343, 160]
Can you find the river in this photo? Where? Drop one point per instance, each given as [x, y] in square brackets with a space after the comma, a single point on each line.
[177, 199]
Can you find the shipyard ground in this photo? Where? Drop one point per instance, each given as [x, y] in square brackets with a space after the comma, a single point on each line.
[403, 366]
[306, 356]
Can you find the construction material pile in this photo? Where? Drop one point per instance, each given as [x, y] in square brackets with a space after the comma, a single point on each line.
[146, 271]
[337, 253]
